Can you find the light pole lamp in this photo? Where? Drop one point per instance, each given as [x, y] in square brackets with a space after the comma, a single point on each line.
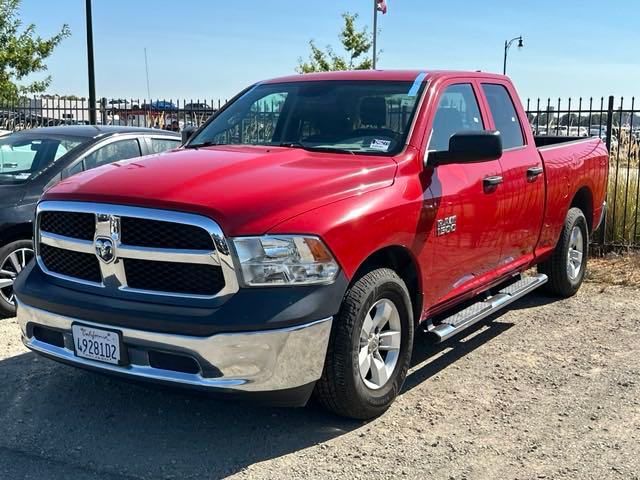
[507, 46]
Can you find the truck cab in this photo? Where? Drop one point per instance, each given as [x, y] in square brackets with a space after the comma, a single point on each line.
[298, 240]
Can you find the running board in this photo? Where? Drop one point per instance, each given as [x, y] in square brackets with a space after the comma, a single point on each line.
[471, 315]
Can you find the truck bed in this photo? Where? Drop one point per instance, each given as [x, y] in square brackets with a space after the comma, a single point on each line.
[573, 166]
[548, 140]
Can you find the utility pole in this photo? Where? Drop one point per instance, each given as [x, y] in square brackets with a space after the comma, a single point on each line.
[375, 31]
[91, 68]
[146, 66]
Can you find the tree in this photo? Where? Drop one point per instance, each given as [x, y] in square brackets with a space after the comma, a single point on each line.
[22, 53]
[356, 44]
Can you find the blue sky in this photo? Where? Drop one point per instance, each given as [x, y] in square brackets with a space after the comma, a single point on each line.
[212, 48]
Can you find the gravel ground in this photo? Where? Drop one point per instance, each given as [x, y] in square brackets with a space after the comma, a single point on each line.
[548, 389]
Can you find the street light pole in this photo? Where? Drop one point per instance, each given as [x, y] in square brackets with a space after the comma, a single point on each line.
[507, 46]
[91, 68]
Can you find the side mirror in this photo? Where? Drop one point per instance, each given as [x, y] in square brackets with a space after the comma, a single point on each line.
[469, 147]
[187, 133]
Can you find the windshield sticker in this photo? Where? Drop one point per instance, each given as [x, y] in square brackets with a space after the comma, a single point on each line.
[413, 91]
[380, 145]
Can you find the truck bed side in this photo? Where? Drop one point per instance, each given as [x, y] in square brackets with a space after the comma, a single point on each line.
[576, 174]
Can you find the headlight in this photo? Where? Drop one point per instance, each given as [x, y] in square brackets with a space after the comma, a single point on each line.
[284, 260]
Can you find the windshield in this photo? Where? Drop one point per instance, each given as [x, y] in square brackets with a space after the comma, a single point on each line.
[22, 156]
[369, 117]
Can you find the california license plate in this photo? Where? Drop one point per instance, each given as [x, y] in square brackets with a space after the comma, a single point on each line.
[96, 344]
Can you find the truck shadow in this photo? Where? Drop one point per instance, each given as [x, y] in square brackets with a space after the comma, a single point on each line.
[429, 358]
[112, 428]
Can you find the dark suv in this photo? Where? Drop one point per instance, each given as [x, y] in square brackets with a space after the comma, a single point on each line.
[33, 160]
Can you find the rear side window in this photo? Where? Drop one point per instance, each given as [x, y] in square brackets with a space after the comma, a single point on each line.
[159, 145]
[72, 170]
[457, 112]
[112, 152]
[504, 115]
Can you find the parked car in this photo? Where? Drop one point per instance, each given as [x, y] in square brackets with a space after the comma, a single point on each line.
[298, 250]
[197, 106]
[33, 160]
[162, 105]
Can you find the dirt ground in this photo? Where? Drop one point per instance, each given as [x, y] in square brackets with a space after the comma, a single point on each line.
[547, 389]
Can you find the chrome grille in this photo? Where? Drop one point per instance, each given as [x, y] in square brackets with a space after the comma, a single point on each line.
[156, 234]
[185, 277]
[137, 250]
[73, 264]
[69, 224]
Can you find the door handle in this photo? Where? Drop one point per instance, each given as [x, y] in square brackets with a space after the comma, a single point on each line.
[533, 172]
[492, 181]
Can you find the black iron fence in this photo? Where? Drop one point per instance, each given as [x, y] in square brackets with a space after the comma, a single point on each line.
[48, 111]
[616, 121]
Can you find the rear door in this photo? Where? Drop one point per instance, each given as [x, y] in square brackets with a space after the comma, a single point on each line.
[464, 243]
[521, 197]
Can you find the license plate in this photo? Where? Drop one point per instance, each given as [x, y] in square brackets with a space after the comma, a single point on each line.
[96, 344]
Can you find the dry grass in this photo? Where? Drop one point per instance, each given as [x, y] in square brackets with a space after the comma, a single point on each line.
[623, 214]
[615, 269]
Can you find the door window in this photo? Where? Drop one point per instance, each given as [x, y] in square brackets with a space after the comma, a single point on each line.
[73, 169]
[458, 111]
[504, 115]
[112, 152]
[159, 145]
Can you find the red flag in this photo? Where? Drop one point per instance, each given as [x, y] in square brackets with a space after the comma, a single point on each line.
[382, 6]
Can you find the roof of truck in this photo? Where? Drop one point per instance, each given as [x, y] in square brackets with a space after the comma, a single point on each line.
[385, 75]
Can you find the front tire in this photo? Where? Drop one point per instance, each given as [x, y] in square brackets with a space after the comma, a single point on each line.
[369, 351]
[13, 258]
[567, 266]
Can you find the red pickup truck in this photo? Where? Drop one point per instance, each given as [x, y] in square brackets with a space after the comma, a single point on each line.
[297, 240]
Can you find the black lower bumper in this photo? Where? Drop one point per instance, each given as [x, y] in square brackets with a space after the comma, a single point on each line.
[249, 309]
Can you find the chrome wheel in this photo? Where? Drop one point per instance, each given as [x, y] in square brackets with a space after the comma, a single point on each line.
[575, 255]
[9, 270]
[379, 344]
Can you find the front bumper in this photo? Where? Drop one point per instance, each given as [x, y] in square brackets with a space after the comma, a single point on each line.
[256, 361]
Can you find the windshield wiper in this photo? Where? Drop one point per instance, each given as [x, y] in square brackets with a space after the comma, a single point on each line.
[311, 148]
[203, 144]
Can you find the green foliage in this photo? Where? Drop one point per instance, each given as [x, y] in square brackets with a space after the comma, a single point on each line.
[356, 44]
[22, 52]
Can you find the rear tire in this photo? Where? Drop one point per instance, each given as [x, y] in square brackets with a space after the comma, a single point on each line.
[369, 351]
[567, 266]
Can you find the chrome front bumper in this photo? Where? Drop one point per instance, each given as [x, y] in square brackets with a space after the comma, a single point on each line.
[261, 361]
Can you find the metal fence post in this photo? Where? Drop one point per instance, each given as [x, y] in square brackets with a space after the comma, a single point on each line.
[609, 122]
[103, 110]
[603, 234]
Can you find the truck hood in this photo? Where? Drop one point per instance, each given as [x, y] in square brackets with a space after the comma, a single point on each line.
[247, 190]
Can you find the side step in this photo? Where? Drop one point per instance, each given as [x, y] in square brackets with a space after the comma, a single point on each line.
[471, 315]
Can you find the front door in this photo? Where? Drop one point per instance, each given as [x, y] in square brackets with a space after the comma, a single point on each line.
[464, 243]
